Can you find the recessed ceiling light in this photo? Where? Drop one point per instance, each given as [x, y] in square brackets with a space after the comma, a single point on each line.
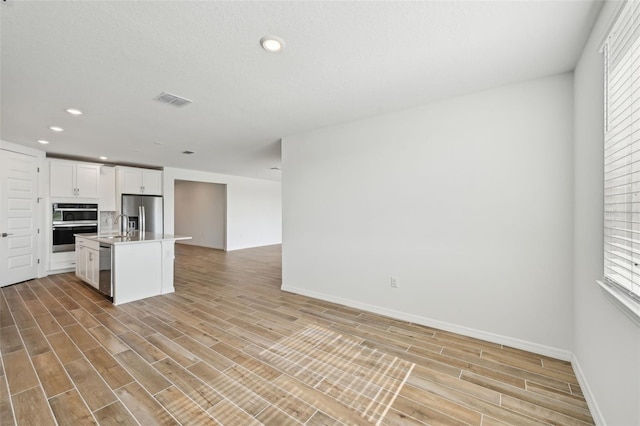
[74, 111]
[43, 142]
[102, 157]
[56, 128]
[272, 44]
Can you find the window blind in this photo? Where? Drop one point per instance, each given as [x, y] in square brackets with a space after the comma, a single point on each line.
[622, 151]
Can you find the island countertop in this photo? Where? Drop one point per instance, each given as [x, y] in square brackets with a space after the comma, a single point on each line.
[132, 238]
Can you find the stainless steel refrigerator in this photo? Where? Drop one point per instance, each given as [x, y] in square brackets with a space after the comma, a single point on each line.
[144, 212]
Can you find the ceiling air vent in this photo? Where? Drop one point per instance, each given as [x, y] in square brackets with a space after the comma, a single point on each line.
[168, 98]
[187, 152]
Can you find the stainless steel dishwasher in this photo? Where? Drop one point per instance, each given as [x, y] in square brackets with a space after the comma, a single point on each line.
[105, 281]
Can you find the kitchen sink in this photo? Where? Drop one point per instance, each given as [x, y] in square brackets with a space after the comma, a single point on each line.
[123, 237]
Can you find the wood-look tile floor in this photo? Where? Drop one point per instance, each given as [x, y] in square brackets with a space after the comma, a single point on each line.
[229, 347]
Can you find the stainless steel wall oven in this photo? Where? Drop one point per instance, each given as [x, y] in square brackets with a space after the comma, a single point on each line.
[70, 219]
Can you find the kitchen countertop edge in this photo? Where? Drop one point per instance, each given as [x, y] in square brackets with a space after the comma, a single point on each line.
[136, 238]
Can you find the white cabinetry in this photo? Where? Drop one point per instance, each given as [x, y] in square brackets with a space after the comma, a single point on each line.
[93, 267]
[107, 201]
[62, 262]
[87, 180]
[73, 179]
[81, 261]
[138, 181]
[88, 261]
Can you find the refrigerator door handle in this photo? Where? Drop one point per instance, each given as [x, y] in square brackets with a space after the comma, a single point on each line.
[143, 220]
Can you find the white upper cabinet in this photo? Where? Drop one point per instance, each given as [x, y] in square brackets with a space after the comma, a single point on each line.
[62, 179]
[130, 180]
[139, 181]
[107, 200]
[88, 180]
[152, 182]
[73, 179]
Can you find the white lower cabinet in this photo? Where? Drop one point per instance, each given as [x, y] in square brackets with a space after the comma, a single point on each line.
[62, 262]
[81, 261]
[93, 267]
[88, 261]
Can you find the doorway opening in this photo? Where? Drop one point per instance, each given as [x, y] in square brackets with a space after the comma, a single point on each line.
[201, 212]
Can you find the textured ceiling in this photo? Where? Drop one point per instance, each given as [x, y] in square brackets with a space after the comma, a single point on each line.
[343, 61]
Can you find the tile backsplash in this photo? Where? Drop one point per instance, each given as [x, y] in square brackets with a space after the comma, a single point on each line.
[106, 221]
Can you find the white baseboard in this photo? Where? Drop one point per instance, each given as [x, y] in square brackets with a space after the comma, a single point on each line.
[58, 271]
[250, 246]
[598, 418]
[549, 351]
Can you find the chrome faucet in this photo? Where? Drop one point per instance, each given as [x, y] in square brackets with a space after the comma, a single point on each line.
[124, 227]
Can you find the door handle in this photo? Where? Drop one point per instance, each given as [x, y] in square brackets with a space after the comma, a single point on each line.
[4, 235]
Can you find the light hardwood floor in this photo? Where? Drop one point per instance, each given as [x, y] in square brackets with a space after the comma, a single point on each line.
[229, 347]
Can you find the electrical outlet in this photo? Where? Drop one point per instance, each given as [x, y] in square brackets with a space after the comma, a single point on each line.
[394, 282]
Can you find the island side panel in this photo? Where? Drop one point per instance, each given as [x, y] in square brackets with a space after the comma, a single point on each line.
[168, 259]
[137, 270]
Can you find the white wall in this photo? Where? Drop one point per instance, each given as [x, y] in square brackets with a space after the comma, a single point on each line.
[199, 211]
[467, 201]
[254, 207]
[606, 343]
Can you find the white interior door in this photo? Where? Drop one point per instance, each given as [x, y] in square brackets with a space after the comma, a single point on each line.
[18, 217]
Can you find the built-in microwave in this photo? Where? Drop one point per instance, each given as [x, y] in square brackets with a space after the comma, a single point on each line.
[72, 212]
[69, 219]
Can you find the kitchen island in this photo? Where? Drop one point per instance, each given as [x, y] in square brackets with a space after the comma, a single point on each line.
[127, 267]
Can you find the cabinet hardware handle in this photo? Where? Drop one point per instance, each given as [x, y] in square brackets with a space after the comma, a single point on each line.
[5, 235]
